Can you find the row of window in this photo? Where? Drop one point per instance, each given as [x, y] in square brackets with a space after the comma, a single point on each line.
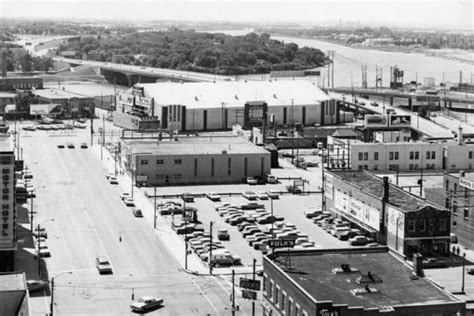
[394, 155]
[160, 162]
[282, 301]
[424, 225]
[175, 176]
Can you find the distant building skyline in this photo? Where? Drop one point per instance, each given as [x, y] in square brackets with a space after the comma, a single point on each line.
[416, 14]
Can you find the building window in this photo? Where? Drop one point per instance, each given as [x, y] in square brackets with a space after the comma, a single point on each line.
[455, 187]
[229, 166]
[411, 155]
[455, 207]
[396, 155]
[366, 156]
[212, 167]
[411, 225]
[177, 161]
[159, 161]
[417, 155]
[443, 224]
[195, 167]
[466, 213]
[361, 156]
[422, 225]
[390, 155]
[393, 167]
[360, 167]
[264, 284]
[455, 225]
[470, 155]
[144, 162]
[376, 168]
[465, 193]
[277, 295]
[446, 203]
[366, 167]
[410, 166]
[290, 306]
[433, 155]
[297, 310]
[283, 301]
[160, 176]
[428, 155]
[376, 155]
[447, 185]
[177, 176]
[270, 291]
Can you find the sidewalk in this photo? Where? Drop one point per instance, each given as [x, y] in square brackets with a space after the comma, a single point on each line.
[173, 241]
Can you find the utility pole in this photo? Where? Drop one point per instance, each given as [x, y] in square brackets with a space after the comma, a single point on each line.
[92, 128]
[154, 207]
[421, 182]
[185, 237]
[233, 292]
[210, 251]
[323, 199]
[463, 269]
[253, 273]
[31, 214]
[293, 136]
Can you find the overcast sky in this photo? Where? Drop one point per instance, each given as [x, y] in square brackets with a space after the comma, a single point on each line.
[417, 13]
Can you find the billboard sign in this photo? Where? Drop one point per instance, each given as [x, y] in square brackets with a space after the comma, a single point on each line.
[251, 295]
[249, 284]
[466, 183]
[376, 120]
[255, 113]
[281, 243]
[7, 236]
[400, 120]
[143, 102]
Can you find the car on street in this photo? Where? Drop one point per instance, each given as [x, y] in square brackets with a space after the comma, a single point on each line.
[113, 180]
[36, 285]
[29, 128]
[374, 103]
[129, 201]
[213, 197]
[359, 241]
[61, 146]
[103, 265]
[187, 197]
[124, 195]
[251, 181]
[70, 145]
[40, 233]
[262, 195]
[273, 194]
[137, 212]
[84, 145]
[223, 234]
[43, 250]
[349, 234]
[108, 175]
[81, 120]
[249, 195]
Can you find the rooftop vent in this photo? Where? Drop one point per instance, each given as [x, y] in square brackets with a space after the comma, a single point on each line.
[196, 98]
[369, 278]
[236, 97]
[364, 290]
[274, 96]
[224, 152]
[345, 268]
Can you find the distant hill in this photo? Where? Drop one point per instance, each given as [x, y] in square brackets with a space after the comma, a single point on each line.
[203, 52]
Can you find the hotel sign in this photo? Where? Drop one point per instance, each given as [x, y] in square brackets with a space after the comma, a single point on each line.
[7, 166]
[466, 183]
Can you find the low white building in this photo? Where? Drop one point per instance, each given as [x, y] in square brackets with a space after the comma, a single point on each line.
[220, 105]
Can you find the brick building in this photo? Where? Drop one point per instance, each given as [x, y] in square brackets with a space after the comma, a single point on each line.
[396, 218]
[355, 282]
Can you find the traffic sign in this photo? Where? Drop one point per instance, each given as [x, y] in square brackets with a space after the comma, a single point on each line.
[281, 243]
[250, 284]
[251, 295]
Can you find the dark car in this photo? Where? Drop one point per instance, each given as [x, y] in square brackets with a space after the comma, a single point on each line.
[187, 197]
[293, 189]
[84, 145]
[137, 212]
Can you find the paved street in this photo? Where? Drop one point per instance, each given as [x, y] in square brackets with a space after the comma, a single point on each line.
[89, 218]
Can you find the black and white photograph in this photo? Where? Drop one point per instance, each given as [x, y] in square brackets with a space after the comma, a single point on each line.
[242, 158]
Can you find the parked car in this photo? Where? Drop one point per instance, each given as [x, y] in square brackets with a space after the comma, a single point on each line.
[223, 234]
[262, 195]
[37, 285]
[271, 179]
[312, 213]
[434, 263]
[251, 181]
[187, 197]
[293, 189]
[84, 145]
[40, 233]
[103, 265]
[213, 197]
[129, 201]
[273, 194]
[374, 104]
[29, 128]
[349, 234]
[113, 180]
[137, 212]
[249, 195]
[70, 145]
[124, 195]
[61, 146]
[43, 250]
[359, 241]
[146, 303]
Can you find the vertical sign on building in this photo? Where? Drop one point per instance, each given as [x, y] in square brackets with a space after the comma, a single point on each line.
[7, 165]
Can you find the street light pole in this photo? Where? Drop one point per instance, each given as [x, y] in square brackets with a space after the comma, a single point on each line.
[31, 215]
[154, 207]
[463, 270]
[51, 305]
[210, 250]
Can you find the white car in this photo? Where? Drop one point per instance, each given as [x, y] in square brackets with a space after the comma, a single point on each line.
[125, 195]
[146, 303]
[213, 197]
[113, 180]
[129, 201]
[249, 195]
[262, 195]
[108, 175]
[251, 181]
[103, 265]
[43, 251]
[273, 194]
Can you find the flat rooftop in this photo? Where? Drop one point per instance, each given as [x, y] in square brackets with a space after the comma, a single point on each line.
[12, 282]
[373, 185]
[234, 94]
[195, 146]
[58, 94]
[313, 271]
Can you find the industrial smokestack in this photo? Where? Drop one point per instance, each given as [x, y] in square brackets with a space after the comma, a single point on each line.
[460, 136]
[386, 189]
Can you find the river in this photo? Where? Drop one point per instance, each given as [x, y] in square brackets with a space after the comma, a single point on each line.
[348, 62]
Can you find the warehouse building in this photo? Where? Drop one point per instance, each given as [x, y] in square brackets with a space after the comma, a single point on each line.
[220, 105]
[356, 282]
[404, 222]
[193, 160]
[73, 104]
